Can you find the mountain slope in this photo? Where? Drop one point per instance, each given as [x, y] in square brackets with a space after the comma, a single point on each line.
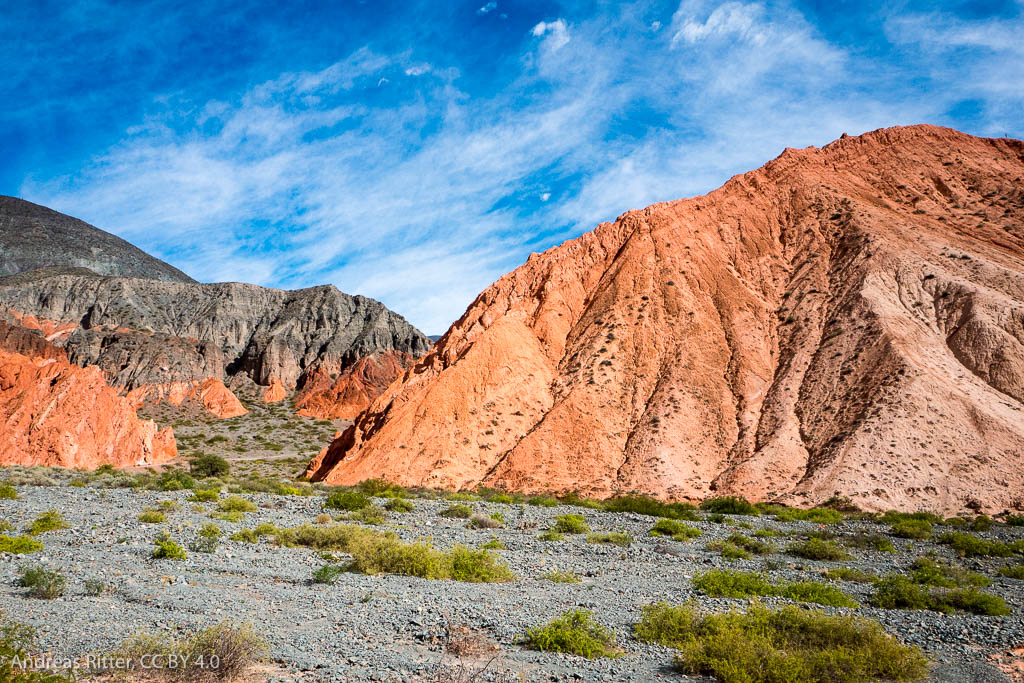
[33, 236]
[843, 321]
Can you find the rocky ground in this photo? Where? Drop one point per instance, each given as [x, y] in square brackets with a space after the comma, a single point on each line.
[396, 627]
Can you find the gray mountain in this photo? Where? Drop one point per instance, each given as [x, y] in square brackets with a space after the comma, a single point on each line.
[33, 236]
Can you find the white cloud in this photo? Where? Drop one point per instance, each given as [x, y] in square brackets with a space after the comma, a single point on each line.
[556, 32]
[545, 196]
[489, 7]
[418, 69]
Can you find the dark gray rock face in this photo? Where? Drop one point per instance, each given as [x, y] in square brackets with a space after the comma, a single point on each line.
[33, 236]
[149, 332]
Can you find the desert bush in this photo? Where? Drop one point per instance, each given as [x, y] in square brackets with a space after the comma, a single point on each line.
[551, 536]
[235, 504]
[236, 649]
[204, 495]
[42, 583]
[1013, 572]
[917, 529]
[981, 523]
[245, 536]
[767, 533]
[152, 517]
[479, 521]
[813, 515]
[729, 505]
[543, 501]
[371, 514]
[493, 544]
[642, 505]
[574, 632]
[751, 545]
[209, 465]
[164, 548]
[610, 538]
[893, 516]
[18, 641]
[349, 501]
[476, 566]
[729, 551]
[94, 587]
[174, 480]
[457, 511]
[265, 529]
[19, 545]
[928, 572]
[380, 488]
[732, 584]
[898, 592]
[818, 549]
[1015, 520]
[876, 542]
[8, 492]
[204, 544]
[576, 500]
[51, 520]
[676, 530]
[556, 576]
[967, 545]
[233, 516]
[327, 574]
[399, 505]
[571, 524]
[787, 644]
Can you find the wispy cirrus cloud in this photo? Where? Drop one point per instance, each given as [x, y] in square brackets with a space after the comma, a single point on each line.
[412, 176]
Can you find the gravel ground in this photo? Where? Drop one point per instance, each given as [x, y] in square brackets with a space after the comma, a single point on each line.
[391, 627]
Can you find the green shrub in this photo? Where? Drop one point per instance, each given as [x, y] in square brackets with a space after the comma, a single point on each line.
[265, 529]
[493, 544]
[716, 518]
[892, 517]
[8, 492]
[676, 530]
[898, 592]
[152, 517]
[42, 583]
[818, 549]
[851, 574]
[209, 465]
[5, 526]
[19, 545]
[814, 515]
[928, 572]
[575, 499]
[729, 551]
[457, 511]
[233, 516]
[967, 545]
[610, 538]
[349, 501]
[380, 488]
[94, 587]
[1013, 572]
[981, 523]
[543, 501]
[576, 633]
[876, 542]
[917, 529]
[767, 533]
[205, 495]
[210, 530]
[175, 480]
[551, 535]
[1015, 520]
[476, 566]
[245, 536]
[371, 514]
[164, 548]
[327, 574]
[732, 584]
[556, 576]
[236, 504]
[51, 520]
[750, 544]
[204, 544]
[571, 524]
[18, 642]
[729, 505]
[642, 505]
[788, 644]
[399, 505]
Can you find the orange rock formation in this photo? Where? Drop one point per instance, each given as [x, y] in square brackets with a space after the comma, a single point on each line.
[843, 321]
[275, 392]
[210, 393]
[56, 414]
[355, 388]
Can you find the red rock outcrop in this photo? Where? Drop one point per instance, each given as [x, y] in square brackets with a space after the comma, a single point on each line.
[843, 321]
[211, 394]
[275, 392]
[354, 389]
[53, 413]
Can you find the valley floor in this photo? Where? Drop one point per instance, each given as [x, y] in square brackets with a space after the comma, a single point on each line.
[389, 627]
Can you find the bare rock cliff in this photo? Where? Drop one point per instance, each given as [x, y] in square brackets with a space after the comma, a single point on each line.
[843, 321]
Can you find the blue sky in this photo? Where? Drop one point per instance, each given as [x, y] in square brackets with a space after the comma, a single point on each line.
[414, 152]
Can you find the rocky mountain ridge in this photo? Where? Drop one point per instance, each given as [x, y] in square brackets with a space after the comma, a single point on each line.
[845, 321]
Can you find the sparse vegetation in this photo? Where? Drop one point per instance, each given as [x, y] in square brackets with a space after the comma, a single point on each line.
[610, 538]
[967, 545]
[371, 514]
[457, 511]
[928, 572]
[876, 542]
[349, 501]
[8, 492]
[819, 549]
[551, 536]
[19, 545]
[164, 548]
[42, 583]
[556, 576]
[399, 505]
[642, 505]
[571, 524]
[327, 574]
[574, 632]
[788, 644]
[18, 641]
[493, 544]
[916, 529]
[851, 574]
[235, 504]
[94, 587]
[152, 517]
[731, 584]
[899, 592]
[245, 536]
[813, 515]
[1013, 572]
[676, 530]
[729, 505]
[51, 520]
[479, 521]
[204, 495]
[209, 465]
